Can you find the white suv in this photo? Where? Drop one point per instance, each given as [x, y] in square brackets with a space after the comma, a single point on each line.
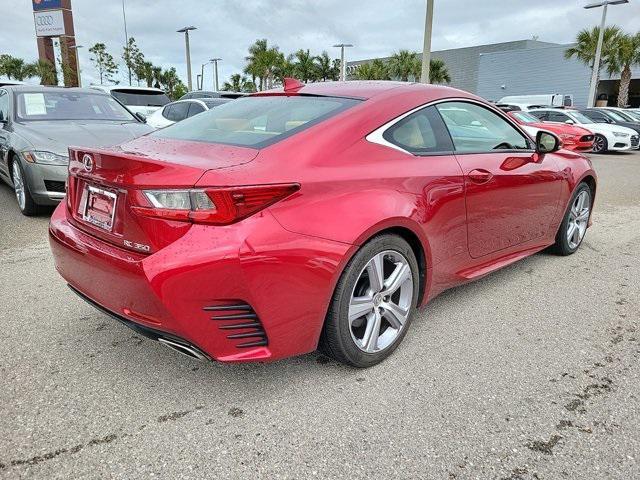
[142, 100]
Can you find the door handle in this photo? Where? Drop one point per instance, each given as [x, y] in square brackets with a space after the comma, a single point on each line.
[480, 176]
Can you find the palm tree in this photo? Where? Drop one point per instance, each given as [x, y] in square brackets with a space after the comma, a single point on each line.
[324, 69]
[156, 76]
[375, 70]
[438, 72]
[625, 53]
[254, 60]
[45, 70]
[15, 68]
[304, 66]
[402, 64]
[239, 83]
[585, 47]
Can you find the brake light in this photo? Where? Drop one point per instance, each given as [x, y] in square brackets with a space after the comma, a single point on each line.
[212, 206]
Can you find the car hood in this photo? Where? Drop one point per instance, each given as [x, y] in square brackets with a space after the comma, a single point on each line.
[56, 136]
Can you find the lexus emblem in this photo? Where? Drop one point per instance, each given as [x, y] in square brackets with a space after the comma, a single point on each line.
[87, 162]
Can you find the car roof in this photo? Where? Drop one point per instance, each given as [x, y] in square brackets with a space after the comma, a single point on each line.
[109, 88]
[41, 88]
[364, 89]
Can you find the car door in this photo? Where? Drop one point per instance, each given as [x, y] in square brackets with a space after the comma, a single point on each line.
[512, 192]
[4, 132]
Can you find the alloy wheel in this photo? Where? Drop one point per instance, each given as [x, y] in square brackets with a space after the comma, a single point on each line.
[598, 144]
[381, 301]
[18, 185]
[578, 219]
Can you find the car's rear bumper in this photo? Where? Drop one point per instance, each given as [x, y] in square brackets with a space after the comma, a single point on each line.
[199, 288]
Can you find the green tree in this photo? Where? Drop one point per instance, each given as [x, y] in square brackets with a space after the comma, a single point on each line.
[304, 66]
[156, 75]
[624, 54]
[585, 46]
[374, 70]
[144, 71]
[324, 69]
[132, 57]
[263, 63]
[180, 90]
[239, 83]
[104, 62]
[15, 68]
[403, 64]
[44, 70]
[335, 69]
[438, 72]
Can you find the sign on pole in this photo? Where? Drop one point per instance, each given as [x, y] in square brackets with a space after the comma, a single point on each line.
[49, 23]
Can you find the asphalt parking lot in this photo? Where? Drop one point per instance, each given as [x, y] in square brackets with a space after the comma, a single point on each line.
[530, 373]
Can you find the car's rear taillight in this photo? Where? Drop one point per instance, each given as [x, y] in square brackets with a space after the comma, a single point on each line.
[212, 206]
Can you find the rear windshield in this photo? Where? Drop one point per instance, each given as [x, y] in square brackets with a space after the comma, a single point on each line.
[141, 98]
[65, 105]
[256, 121]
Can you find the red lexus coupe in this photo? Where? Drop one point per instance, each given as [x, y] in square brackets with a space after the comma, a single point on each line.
[573, 137]
[315, 216]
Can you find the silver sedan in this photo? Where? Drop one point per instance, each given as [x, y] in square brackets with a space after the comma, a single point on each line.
[37, 126]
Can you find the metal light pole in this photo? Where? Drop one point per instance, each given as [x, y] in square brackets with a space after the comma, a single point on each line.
[343, 65]
[595, 71]
[426, 49]
[215, 71]
[186, 31]
[76, 47]
[200, 83]
[126, 37]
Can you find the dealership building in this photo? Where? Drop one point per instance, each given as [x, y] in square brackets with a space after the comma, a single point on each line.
[523, 67]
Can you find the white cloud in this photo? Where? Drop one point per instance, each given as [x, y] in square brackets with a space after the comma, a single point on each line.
[226, 28]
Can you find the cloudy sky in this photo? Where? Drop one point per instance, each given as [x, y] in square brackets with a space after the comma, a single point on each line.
[376, 27]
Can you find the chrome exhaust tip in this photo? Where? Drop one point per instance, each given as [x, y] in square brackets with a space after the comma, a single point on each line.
[187, 350]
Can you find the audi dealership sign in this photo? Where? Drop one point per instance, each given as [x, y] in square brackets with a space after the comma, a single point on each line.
[49, 23]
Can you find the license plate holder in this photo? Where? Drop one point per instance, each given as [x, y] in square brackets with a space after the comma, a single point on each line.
[99, 207]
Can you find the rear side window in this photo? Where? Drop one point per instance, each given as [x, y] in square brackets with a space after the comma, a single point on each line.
[422, 132]
[194, 109]
[178, 111]
[257, 121]
[544, 116]
[557, 117]
[476, 129]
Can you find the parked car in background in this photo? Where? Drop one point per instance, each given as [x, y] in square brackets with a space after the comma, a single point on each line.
[626, 113]
[608, 137]
[143, 100]
[6, 83]
[211, 94]
[177, 111]
[601, 115]
[526, 102]
[38, 124]
[302, 218]
[573, 137]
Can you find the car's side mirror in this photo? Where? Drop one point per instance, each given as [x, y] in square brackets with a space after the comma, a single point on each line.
[547, 142]
[141, 116]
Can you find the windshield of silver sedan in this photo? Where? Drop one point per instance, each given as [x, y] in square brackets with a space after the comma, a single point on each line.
[66, 105]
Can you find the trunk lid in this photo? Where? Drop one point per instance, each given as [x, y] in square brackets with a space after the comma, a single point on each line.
[104, 184]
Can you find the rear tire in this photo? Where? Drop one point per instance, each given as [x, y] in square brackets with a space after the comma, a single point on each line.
[600, 144]
[373, 303]
[26, 203]
[574, 224]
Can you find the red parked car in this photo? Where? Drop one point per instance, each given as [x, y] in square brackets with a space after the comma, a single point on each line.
[315, 216]
[572, 137]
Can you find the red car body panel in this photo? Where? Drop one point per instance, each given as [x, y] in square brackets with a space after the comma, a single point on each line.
[467, 215]
[572, 136]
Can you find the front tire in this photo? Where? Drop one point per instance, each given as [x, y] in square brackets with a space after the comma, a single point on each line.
[373, 303]
[574, 224]
[26, 203]
[600, 144]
